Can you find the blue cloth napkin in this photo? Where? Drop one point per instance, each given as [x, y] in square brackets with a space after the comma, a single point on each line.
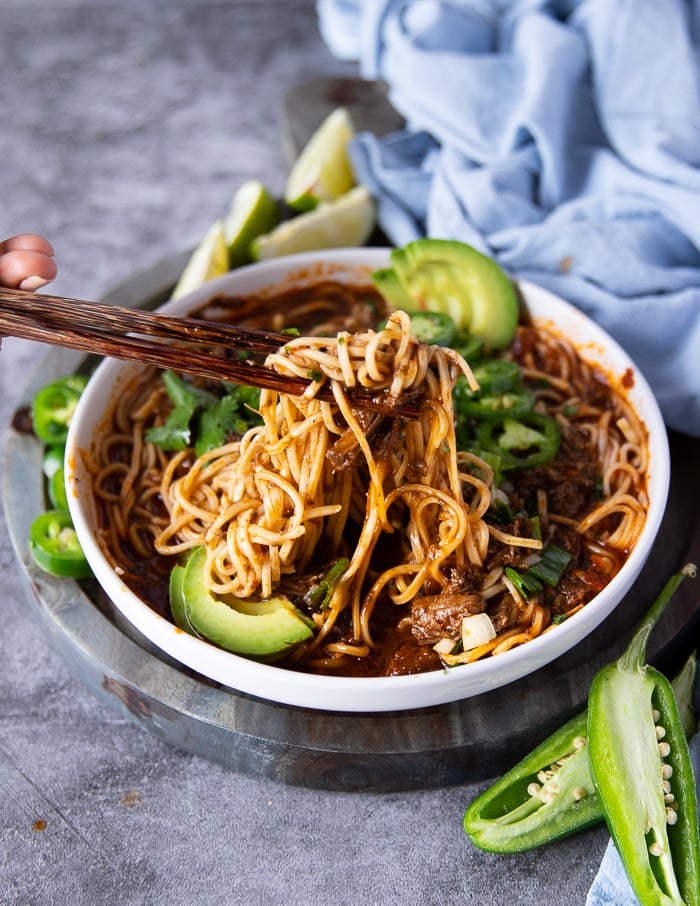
[563, 138]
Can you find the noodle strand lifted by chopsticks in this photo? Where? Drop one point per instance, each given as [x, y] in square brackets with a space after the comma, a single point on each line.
[260, 506]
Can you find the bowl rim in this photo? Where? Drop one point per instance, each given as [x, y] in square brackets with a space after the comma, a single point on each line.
[364, 694]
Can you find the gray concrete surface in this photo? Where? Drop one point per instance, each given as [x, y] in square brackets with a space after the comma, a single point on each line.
[125, 127]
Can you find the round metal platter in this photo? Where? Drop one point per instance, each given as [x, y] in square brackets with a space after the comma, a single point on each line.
[464, 741]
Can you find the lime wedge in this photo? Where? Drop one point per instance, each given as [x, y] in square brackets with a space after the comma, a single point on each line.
[322, 171]
[253, 211]
[346, 222]
[208, 260]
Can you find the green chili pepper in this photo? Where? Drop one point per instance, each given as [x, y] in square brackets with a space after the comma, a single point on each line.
[501, 393]
[53, 459]
[531, 440]
[643, 774]
[53, 407]
[58, 495]
[683, 687]
[496, 376]
[468, 346]
[498, 406]
[433, 327]
[54, 471]
[491, 459]
[54, 545]
[551, 794]
[547, 796]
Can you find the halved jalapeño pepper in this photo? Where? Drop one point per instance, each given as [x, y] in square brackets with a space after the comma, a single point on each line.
[642, 772]
[547, 796]
[551, 793]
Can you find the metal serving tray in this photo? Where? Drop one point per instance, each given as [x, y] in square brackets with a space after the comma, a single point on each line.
[461, 742]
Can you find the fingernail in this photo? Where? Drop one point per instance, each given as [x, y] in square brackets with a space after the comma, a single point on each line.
[32, 283]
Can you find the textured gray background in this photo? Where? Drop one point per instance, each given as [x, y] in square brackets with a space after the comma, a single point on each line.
[124, 130]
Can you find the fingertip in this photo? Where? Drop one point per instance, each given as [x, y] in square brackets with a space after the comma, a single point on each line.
[26, 269]
[29, 242]
[31, 283]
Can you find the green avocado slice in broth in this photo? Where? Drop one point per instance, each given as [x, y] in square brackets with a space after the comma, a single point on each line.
[264, 629]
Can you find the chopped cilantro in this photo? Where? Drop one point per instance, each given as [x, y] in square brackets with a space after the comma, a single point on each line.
[201, 419]
[232, 414]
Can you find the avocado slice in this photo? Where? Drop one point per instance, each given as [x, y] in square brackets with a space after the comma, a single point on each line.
[451, 277]
[177, 600]
[258, 629]
[387, 281]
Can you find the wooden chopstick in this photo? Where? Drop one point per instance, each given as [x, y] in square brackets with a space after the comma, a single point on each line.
[74, 313]
[108, 330]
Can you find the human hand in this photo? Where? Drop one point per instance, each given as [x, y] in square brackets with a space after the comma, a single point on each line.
[26, 262]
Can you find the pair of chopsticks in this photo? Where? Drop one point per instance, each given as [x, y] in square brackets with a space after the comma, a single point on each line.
[149, 337]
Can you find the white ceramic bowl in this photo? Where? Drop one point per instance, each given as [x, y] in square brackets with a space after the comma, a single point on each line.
[347, 693]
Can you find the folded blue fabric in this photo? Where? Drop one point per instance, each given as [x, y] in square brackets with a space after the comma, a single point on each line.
[563, 138]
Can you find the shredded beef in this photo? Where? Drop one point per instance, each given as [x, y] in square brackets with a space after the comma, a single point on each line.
[502, 615]
[345, 452]
[464, 578]
[410, 657]
[570, 592]
[440, 616]
[509, 554]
